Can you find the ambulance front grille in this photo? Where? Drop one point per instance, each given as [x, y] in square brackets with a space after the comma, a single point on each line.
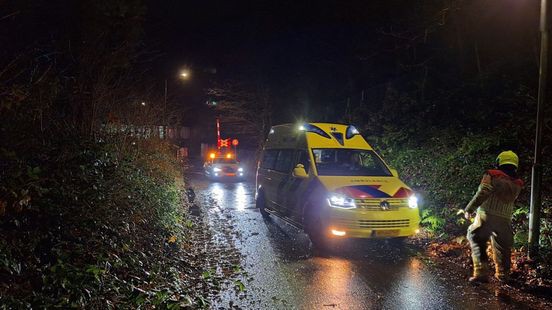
[373, 224]
[374, 204]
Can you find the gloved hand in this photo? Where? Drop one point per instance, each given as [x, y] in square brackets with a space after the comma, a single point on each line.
[467, 215]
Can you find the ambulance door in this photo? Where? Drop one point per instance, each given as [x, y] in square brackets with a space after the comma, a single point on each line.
[265, 175]
[297, 187]
[281, 178]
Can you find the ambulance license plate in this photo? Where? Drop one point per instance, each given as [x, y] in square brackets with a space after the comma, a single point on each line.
[387, 233]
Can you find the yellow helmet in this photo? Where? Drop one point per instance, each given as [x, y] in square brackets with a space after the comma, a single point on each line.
[507, 158]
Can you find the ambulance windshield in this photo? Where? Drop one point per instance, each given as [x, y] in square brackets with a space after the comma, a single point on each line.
[349, 162]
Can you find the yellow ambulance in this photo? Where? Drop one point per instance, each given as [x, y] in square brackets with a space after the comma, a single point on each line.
[326, 179]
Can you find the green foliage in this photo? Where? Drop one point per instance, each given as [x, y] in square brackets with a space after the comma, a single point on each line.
[432, 221]
[84, 219]
[239, 285]
[207, 274]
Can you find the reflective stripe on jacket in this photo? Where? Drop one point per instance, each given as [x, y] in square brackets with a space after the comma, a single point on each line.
[496, 194]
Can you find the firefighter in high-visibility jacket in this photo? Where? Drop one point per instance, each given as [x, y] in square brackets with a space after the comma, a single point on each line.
[494, 202]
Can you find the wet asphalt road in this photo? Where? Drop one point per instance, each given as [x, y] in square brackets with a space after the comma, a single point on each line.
[280, 270]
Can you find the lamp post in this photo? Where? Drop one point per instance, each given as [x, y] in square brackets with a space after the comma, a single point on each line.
[536, 173]
[183, 75]
[165, 106]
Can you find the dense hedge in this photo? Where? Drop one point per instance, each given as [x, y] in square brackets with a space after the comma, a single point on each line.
[89, 221]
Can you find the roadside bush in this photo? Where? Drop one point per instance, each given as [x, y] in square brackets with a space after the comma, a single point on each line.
[89, 221]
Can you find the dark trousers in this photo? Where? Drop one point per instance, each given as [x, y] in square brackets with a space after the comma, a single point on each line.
[499, 230]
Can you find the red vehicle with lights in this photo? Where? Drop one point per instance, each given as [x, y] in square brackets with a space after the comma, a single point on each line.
[220, 166]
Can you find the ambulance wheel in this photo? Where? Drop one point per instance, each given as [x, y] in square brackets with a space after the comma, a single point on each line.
[316, 230]
[261, 204]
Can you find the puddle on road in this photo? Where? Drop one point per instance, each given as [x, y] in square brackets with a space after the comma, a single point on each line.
[237, 196]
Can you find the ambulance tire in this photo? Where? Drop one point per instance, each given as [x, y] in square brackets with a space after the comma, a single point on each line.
[315, 230]
[261, 204]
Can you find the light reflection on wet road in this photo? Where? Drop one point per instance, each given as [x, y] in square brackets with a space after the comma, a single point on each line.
[279, 270]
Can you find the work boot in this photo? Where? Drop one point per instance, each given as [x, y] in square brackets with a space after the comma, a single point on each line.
[480, 272]
[502, 275]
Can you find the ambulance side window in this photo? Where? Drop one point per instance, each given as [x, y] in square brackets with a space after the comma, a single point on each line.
[304, 160]
[269, 159]
[283, 163]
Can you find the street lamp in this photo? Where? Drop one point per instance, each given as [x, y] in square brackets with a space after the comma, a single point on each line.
[536, 173]
[184, 74]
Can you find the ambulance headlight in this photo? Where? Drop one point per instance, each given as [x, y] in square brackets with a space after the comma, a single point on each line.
[413, 202]
[216, 169]
[240, 169]
[341, 201]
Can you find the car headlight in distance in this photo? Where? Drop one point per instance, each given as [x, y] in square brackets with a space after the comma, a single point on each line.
[216, 169]
[341, 201]
[413, 202]
[240, 169]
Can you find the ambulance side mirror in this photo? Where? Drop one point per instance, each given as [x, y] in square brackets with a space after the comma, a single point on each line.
[299, 171]
[394, 172]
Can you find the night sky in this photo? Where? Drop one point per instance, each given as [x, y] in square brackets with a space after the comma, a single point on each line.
[299, 49]
[317, 55]
[314, 56]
